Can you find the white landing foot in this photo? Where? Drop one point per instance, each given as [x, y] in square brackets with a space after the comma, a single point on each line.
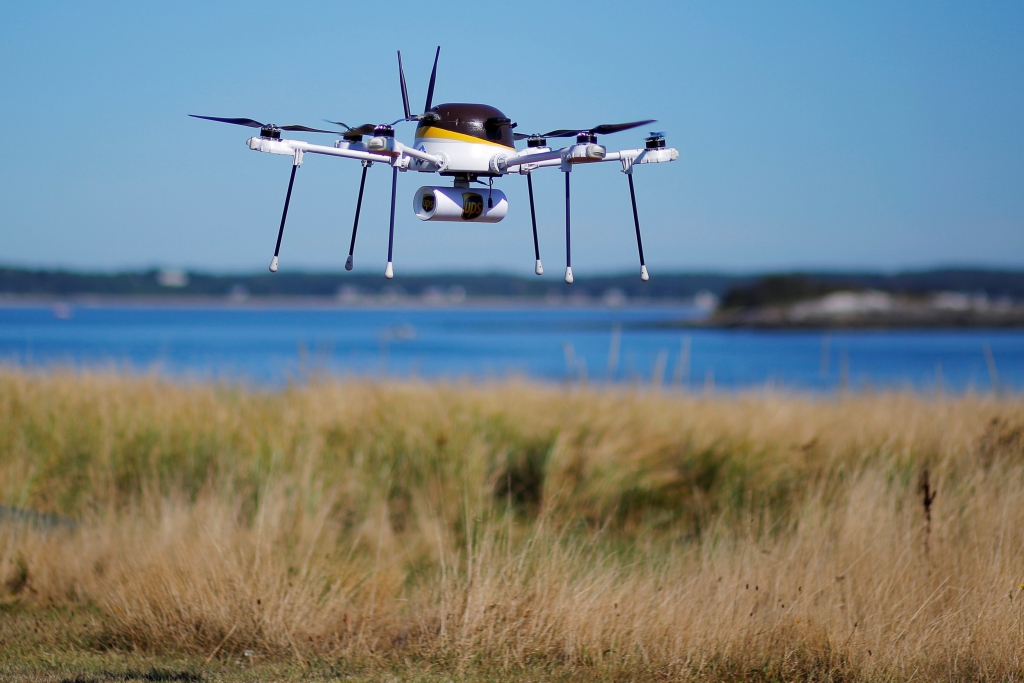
[568, 275]
[273, 265]
[643, 274]
[389, 272]
[540, 268]
[348, 263]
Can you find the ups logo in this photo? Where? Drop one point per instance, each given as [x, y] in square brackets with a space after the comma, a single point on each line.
[472, 205]
[428, 202]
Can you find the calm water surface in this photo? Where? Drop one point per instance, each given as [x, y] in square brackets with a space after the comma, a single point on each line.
[271, 346]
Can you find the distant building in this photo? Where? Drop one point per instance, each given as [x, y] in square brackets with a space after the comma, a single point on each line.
[172, 277]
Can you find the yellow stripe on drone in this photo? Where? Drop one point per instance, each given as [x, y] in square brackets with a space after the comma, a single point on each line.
[442, 134]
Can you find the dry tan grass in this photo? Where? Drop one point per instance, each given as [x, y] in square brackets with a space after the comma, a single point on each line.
[522, 528]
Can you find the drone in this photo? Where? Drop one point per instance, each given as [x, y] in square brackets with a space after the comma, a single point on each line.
[470, 143]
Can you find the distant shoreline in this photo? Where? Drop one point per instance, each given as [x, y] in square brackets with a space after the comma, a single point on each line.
[617, 288]
[894, 322]
[871, 311]
[949, 298]
[321, 302]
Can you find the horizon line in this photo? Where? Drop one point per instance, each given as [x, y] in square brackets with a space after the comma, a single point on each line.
[676, 272]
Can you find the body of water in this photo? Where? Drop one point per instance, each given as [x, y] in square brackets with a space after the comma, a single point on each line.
[274, 345]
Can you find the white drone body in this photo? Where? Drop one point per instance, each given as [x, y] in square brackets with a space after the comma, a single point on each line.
[472, 144]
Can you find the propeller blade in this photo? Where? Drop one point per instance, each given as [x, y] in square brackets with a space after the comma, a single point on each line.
[238, 122]
[608, 128]
[405, 91]
[525, 136]
[365, 129]
[433, 76]
[338, 123]
[561, 133]
[256, 124]
[306, 129]
[603, 129]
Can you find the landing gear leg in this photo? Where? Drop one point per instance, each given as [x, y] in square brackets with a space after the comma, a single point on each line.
[568, 244]
[533, 217]
[355, 224]
[636, 222]
[296, 162]
[389, 272]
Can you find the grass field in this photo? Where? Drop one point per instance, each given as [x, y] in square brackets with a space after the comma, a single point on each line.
[413, 531]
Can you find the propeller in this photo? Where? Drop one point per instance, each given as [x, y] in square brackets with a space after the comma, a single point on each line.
[356, 133]
[603, 129]
[265, 126]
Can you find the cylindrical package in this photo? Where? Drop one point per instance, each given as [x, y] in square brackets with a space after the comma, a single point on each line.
[459, 204]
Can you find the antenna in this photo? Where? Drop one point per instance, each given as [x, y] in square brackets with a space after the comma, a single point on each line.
[433, 76]
[405, 91]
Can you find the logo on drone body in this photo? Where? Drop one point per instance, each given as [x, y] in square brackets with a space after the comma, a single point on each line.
[472, 205]
[428, 202]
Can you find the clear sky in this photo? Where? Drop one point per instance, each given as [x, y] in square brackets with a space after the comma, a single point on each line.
[830, 135]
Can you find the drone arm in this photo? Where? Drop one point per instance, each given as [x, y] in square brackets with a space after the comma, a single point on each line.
[628, 157]
[289, 147]
[345, 153]
[539, 164]
[554, 155]
[417, 154]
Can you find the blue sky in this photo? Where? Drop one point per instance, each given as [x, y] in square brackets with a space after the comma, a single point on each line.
[811, 135]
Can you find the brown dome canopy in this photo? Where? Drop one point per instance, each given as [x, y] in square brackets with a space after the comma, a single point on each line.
[475, 120]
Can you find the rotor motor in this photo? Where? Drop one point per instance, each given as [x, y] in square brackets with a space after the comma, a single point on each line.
[655, 141]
